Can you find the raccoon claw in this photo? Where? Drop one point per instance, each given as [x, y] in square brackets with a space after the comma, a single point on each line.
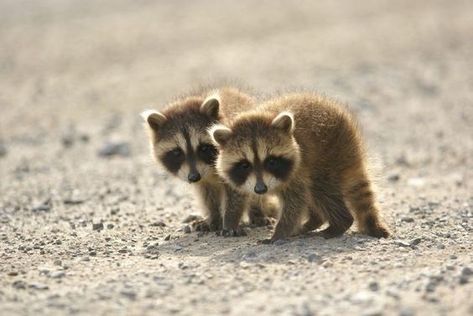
[379, 232]
[201, 226]
[238, 232]
[330, 232]
[204, 226]
[262, 221]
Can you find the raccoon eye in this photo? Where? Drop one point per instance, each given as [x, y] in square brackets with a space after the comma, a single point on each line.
[271, 162]
[176, 152]
[207, 153]
[240, 172]
[205, 148]
[173, 159]
[280, 167]
[244, 165]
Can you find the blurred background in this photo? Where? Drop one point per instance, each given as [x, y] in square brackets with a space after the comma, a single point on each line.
[74, 76]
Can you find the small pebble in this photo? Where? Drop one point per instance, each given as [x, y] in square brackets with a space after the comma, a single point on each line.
[57, 274]
[73, 201]
[43, 207]
[373, 286]
[416, 182]
[39, 286]
[467, 271]
[19, 284]
[130, 294]
[67, 139]
[187, 229]
[406, 311]
[394, 177]
[158, 224]
[110, 149]
[3, 150]
[415, 241]
[463, 279]
[313, 257]
[402, 243]
[97, 226]
[327, 264]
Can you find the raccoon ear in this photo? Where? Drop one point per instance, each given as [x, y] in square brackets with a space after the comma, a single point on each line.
[220, 134]
[211, 106]
[284, 121]
[154, 118]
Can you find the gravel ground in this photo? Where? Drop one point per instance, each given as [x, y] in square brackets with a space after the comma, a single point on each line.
[89, 224]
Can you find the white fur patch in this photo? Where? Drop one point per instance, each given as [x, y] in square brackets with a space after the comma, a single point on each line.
[271, 182]
[250, 183]
[183, 172]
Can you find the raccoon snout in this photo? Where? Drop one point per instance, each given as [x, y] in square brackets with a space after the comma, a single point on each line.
[193, 176]
[261, 188]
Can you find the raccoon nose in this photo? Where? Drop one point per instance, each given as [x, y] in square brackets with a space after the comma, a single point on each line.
[193, 176]
[261, 188]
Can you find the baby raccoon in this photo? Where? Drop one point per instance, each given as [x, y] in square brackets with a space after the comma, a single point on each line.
[308, 150]
[180, 142]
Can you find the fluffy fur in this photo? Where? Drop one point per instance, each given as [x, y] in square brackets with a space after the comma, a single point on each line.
[180, 143]
[308, 150]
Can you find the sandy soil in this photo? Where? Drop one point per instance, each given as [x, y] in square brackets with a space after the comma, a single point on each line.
[85, 233]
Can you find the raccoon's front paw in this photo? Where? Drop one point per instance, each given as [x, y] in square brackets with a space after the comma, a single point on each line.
[378, 231]
[201, 226]
[237, 232]
[261, 221]
[215, 224]
[331, 232]
[207, 225]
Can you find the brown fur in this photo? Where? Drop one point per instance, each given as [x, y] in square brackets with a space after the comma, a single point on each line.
[185, 121]
[328, 179]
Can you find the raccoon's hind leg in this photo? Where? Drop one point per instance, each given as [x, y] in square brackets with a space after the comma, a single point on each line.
[211, 197]
[315, 221]
[328, 199]
[361, 198]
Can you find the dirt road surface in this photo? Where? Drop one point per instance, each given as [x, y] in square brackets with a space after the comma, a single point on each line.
[84, 233]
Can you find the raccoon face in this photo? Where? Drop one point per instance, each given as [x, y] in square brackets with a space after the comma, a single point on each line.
[180, 141]
[258, 154]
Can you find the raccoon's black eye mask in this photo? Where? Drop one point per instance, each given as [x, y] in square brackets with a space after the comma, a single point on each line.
[207, 153]
[240, 171]
[280, 167]
[173, 159]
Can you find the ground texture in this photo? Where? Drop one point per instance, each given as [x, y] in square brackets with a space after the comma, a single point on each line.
[89, 225]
